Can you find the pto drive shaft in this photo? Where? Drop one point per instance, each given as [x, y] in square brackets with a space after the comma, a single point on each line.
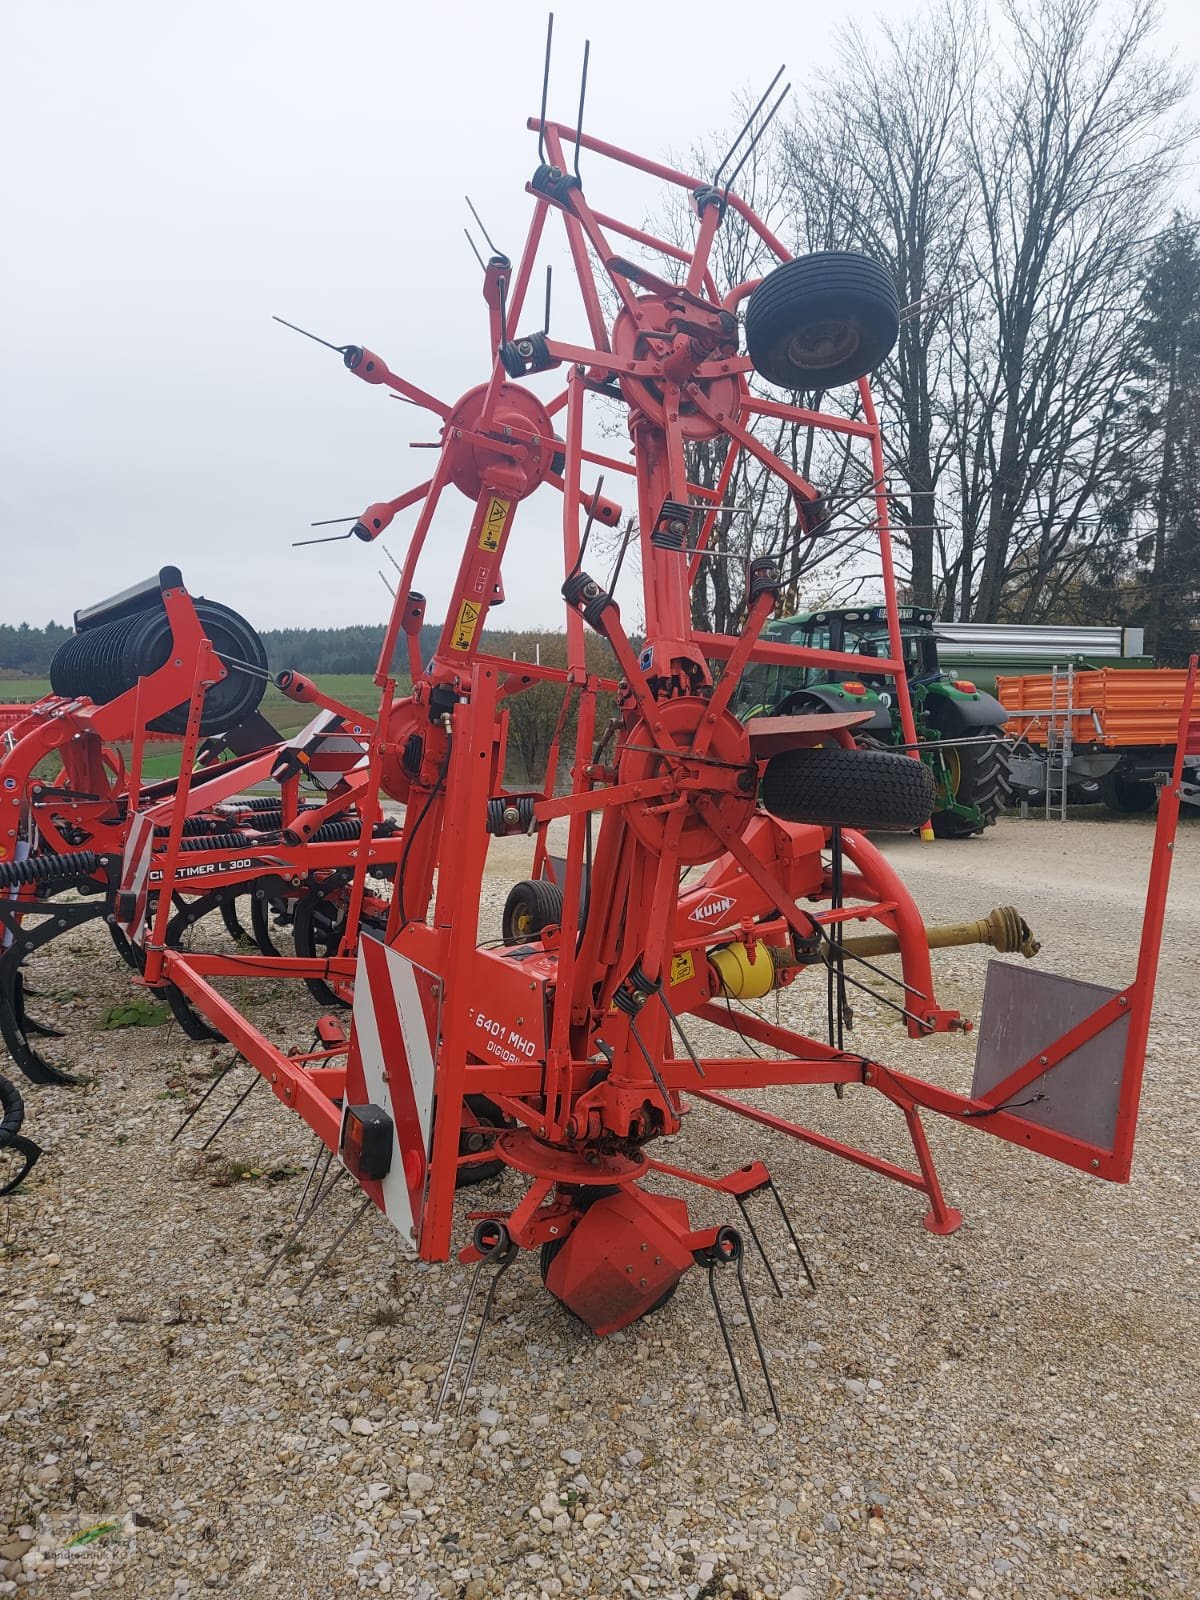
[1005, 929]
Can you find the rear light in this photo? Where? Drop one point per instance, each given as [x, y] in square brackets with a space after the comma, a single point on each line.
[965, 686]
[855, 688]
[367, 1142]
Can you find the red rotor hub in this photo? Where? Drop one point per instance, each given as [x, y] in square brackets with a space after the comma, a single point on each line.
[676, 354]
[524, 444]
[729, 772]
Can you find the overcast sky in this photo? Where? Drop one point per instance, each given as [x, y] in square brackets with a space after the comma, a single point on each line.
[174, 173]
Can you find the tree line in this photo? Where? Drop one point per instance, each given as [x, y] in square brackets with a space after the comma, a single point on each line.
[1015, 167]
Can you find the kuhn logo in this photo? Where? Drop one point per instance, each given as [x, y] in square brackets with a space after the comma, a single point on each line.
[712, 910]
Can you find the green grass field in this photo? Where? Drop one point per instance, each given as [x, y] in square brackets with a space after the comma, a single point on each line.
[355, 689]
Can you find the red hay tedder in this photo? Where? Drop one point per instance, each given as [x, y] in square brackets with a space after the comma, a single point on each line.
[708, 862]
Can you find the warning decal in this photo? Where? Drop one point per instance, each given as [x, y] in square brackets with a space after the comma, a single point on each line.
[682, 968]
[464, 626]
[495, 520]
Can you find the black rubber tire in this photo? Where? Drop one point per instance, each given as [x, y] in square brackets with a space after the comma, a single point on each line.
[492, 1117]
[822, 320]
[1127, 796]
[831, 786]
[532, 905]
[106, 661]
[983, 781]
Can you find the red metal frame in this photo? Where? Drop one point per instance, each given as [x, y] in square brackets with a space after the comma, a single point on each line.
[573, 1037]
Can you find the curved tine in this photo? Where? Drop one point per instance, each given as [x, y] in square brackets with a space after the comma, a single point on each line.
[323, 1194]
[322, 1150]
[229, 917]
[458, 1333]
[30, 1152]
[21, 992]
[758, 1244]
[35, 1066]
[787, 1222]
[506, 1260]
[236, 1106]
[737, 1376]
[219, 1079]
[758, 1344]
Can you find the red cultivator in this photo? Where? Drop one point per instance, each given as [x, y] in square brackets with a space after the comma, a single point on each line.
[708, 863]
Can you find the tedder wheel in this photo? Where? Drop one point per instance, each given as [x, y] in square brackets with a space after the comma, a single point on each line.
[1126, 795]
[848, 788]
[822, 320]
[978, 777]
[470, 1143]
[531, 906]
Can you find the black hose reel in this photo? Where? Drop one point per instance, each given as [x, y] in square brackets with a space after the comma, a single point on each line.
[129, 637]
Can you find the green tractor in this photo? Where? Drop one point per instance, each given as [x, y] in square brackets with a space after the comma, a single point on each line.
[962, 726]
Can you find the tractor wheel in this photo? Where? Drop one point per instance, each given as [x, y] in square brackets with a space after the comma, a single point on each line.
[1127, 795]
[822, 319]
[531, 906]
[848, 788]
[979, 777]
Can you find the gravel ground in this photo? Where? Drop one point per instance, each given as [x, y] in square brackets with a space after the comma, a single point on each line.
[1010, 1411]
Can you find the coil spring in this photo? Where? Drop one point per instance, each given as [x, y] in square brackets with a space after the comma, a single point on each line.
[41, 869]
[219, 841]
[633, 994]
[260, 802]
[343, 830]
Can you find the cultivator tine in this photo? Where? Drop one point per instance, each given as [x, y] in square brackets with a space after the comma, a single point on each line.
[499, 1252]
[219, 1079]
[337, 1243]
[727, 1250]
[15, 1029]
[324, 1190]
[25, 1022]
[236, 1106]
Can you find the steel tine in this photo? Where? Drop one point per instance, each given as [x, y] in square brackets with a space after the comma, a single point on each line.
[322, 1195]
[737, 1376]
[787, 1222]
[758, 1344]
[237, 1104]
[505, 1262]
[322, 1151]
[462, 1323]
[220, 1078]
[758, 1244]
[337, 1243]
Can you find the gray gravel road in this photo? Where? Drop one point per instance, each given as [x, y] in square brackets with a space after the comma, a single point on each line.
[1010, 1411]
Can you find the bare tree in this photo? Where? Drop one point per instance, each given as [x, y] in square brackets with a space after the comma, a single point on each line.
[877, 165]
[1072, 152]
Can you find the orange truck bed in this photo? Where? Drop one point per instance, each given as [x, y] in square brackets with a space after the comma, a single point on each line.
[1114, 709]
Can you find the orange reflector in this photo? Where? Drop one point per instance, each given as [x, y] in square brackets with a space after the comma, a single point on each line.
[855, 688]
[967, 688]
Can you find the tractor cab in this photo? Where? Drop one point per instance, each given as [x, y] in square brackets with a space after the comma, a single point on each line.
[960, 728]
[855, 630]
